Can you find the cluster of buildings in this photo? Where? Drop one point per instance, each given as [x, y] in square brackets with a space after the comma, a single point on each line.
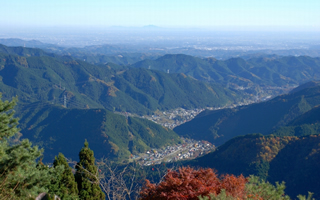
[173, 118]
[178, 116]
[190, 149]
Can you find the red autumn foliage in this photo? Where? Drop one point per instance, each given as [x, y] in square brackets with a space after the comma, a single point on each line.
[188, 184]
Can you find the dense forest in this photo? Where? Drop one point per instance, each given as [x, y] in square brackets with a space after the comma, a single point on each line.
[289, 158]
[35, 76]
[57, 129]
[24, 176]
[65, 103]
[219, 126]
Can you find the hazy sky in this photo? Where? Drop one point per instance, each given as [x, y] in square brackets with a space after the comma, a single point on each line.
[164, 13]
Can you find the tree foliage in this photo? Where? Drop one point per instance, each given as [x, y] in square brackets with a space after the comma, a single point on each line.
[19, 176]
[87, 175]
[188, 183]
[8, 125]
[65, 185]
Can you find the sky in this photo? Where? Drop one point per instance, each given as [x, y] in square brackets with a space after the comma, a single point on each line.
[300, 14]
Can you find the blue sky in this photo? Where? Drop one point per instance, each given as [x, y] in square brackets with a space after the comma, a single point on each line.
[164, 13]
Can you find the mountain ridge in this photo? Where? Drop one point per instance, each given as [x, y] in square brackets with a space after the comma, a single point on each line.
[111, 136]
[220, 125]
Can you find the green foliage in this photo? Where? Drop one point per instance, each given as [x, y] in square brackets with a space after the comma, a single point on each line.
[8, 125]
[260, 168]
[87, 176]
[20, 178]
[64, 186]
[303, 197]
[256, 189]
[299, 130]
[265, 190]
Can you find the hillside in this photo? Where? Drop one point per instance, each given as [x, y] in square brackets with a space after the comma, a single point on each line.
[306, 124]
[92, 54]
[290, 159]
[111, 136]
[23, 51]
[264, 71]
[158, 90]
[219, 126]
[49, 78]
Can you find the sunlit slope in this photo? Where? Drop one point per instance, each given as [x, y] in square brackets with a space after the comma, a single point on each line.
[110, 135]
[45, 78]
[276, 71]
[221, 125]
[168, 91]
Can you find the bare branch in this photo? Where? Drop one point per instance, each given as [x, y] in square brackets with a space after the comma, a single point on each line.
[113, 180]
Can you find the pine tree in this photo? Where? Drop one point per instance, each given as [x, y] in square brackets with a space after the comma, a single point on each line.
[87, 176]
[19, 176]
[65, 185]
[8, 124]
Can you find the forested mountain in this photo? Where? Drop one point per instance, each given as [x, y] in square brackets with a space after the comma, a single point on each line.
[16, 42]
[264, 71]
[219, 126]
[292, 159]
[111, 136]
[23, 51]
[93, 54]
[49, 78]
[306, 124]
[158, 90]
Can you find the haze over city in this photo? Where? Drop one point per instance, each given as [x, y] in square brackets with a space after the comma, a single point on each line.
[127, 21]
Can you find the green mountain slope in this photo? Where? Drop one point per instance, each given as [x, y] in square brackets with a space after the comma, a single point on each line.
[310, 117]
[306, 124]
[239, 72]
[110, 135]
[45, 78]
[294, 160]
[221, 125]
[158, 90]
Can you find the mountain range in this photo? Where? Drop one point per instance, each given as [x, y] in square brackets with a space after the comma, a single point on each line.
[34, 75]
[218, 126]
[111, 136]
[64, 100]
[100, 53]
[264, 71]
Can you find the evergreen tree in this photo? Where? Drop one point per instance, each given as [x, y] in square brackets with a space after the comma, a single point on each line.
[87, 176]
[19, 176]
[8, 124]
[65, 185]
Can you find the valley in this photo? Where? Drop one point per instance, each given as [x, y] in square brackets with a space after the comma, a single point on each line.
[168, 110]
[160, 100]
[179, 116]
[189, 149]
